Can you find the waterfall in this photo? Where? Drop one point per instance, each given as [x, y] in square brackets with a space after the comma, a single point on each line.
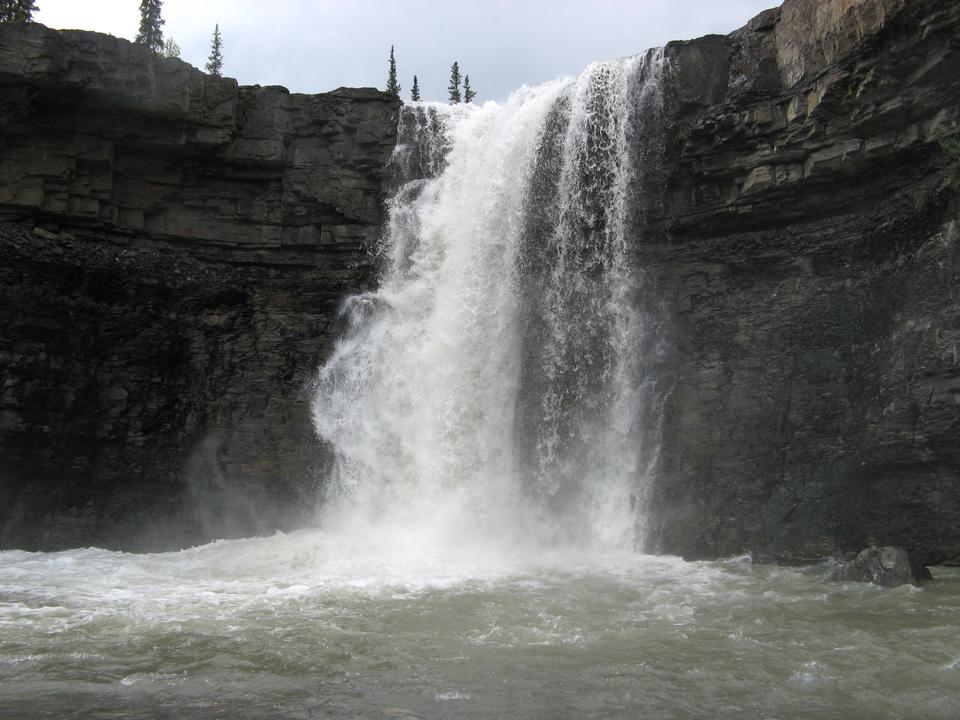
[494, 384]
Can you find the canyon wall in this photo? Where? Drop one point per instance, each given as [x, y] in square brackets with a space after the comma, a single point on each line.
[806, 248]
[175, 248]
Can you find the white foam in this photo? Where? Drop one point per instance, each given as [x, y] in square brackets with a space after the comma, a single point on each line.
[419, 401]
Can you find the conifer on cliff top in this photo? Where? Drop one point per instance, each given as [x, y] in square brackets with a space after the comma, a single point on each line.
[393, 87]
[454, 86]
[17, 10]
[151, 25]
[468, 92]
[215, 61]
[415, 90]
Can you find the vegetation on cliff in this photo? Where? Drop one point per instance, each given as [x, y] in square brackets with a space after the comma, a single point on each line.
[393, 87]
[17, 10]
[151, 25]
[214, 64]
[454, 87]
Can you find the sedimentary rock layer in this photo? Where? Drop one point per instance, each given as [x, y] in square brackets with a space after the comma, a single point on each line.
[175, 248]
[807, 250]
[174, 251]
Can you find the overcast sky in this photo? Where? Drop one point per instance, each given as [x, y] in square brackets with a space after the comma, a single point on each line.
[317, 45]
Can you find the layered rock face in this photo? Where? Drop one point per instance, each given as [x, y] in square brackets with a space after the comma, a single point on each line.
[807, 250]
[174, 251]
[175, 248]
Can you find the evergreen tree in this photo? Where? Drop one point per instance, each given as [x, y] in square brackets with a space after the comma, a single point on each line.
[17, 10]
[151, 25]
[393, 87]
[170, 48]
[415, 91]
[454, 86]
[468, 92]
[215, 61]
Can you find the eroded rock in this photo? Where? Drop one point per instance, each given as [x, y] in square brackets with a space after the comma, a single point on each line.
[887, 566]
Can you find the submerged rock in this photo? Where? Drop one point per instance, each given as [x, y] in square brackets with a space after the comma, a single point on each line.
[887, 566]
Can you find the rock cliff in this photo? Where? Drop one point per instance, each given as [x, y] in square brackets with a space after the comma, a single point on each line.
[807, 249]
[176, 247]
[174, 251]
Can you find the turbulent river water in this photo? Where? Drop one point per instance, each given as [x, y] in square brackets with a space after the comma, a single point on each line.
[492, 417]
[318, 626]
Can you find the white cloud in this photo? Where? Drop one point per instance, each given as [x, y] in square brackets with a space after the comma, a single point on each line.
[316, 45]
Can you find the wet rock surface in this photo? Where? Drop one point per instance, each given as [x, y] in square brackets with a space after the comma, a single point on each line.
[887, 566]
[807, 250]
[175, 248]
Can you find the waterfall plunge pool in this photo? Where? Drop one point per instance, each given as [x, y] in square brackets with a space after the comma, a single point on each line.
[312, 625]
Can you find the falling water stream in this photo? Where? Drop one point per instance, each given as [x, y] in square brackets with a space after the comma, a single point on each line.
[491, 413]
[493, 386]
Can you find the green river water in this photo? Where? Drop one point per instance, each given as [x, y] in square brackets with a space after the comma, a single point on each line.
[315, 626]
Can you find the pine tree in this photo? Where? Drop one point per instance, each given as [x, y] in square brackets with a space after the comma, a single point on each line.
[151, 25]
[454, 86]
[215, 61]
[17, 10]
[393, 87]
[468, 92]
[415, 91]
[170, 48]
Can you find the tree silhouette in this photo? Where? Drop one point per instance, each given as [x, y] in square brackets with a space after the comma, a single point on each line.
[170, 48]
[17, 10]
[415, 90]
[393, 87]
[468, 92]
[214, 64]
[454, 86]
[151, 25]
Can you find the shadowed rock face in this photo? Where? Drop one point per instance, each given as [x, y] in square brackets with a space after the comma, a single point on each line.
[174, 252]
[178, 247]
[806, 246]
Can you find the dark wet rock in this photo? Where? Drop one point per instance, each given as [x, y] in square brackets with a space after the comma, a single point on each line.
[805, 252]
[887, 566]
[175, 248]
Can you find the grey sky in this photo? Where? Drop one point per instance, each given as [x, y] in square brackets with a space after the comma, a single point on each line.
[317, 45]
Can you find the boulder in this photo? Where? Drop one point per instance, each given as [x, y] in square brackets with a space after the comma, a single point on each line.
[888, 566]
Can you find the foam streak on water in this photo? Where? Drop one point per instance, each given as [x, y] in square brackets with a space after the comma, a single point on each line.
[491, 386]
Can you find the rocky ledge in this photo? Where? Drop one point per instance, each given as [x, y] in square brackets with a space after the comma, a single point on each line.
[174, 251]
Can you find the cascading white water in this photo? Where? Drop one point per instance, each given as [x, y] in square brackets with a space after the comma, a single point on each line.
[493, 385]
